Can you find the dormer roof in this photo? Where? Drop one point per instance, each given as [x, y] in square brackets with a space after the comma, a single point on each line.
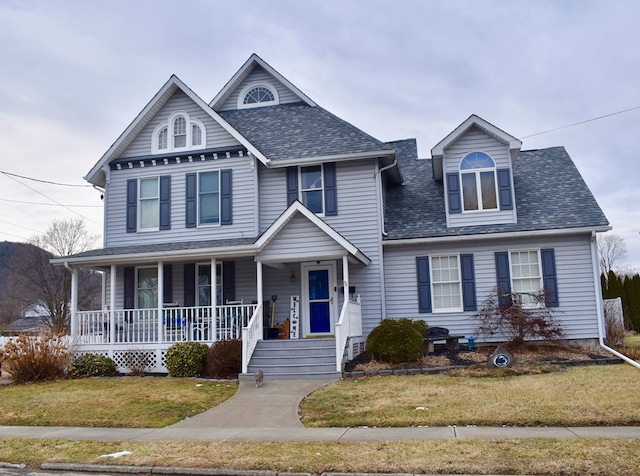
[97, 176]
[438, 151]
[237, 79]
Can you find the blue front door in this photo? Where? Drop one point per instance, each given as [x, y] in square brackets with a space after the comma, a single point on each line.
[319, 301]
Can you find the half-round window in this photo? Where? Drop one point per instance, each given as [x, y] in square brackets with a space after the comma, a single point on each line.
[477, 160]
[478, 178]
[258, 94]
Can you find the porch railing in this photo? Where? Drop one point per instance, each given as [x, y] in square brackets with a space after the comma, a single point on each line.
[171, 324]
[251, 334]
[349, 325]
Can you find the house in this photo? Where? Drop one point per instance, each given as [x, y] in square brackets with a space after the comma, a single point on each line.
[33, 321]
[223, 219]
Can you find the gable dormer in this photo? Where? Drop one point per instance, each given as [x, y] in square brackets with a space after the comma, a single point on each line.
[256, 84]
[475, 165]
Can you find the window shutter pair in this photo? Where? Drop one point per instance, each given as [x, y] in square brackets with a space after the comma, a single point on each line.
[226, 202]
[130, 285]
[467, 275]
[549, 277]
[330, 187]
[165, 204]
[454, 194]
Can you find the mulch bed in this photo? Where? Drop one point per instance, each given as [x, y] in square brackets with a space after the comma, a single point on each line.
[530, 359]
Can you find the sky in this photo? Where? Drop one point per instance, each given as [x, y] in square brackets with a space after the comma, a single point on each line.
[76, 73]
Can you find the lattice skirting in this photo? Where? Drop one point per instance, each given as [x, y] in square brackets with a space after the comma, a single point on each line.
[131, 358]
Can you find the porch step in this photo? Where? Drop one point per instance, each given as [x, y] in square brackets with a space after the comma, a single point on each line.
[283, 359]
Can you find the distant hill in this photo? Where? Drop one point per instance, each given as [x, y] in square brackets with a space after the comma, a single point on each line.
[10, 251]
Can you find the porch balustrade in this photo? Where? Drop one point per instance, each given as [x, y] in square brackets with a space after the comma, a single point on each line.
[171, 324]
[349, 325]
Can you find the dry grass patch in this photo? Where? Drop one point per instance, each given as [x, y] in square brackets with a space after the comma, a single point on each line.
[578, 396]
[147, 402]
[604, 457]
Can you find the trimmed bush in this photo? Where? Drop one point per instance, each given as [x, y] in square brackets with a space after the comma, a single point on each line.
[33, 359]
[91, 365]
[224, 359]
[186, 359]
[395, 341]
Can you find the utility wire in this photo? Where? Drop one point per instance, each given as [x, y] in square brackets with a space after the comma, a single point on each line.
[48, 204]
[581, 122]
[43, 181]
[54, 201]
[19, 226]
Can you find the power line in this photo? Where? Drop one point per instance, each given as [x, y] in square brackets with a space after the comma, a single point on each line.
[54, 201]
[19, 226]
[43, 181]
[581, 122]
[48, 204]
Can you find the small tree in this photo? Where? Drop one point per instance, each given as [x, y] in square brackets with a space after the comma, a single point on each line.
[515, 321]
[612, 251]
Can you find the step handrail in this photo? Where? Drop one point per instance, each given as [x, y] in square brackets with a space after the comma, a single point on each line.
[251, 334]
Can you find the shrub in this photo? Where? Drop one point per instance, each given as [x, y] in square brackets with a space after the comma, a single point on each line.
[224, 359]
[396, 341]
[91, 365]
[186, 359]
[32, 359]
[515, 322]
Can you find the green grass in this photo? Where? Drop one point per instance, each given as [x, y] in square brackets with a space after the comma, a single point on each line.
[632, 340]
[579, 396]
[123, 402]
[567, 457]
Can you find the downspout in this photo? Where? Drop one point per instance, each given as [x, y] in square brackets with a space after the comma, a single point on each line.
[596, 281]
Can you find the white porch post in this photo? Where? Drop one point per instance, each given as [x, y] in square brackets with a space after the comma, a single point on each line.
[74, 300]
[214, 299]
[345, 275]
[260, 297]
[112, 306]
[160, 299]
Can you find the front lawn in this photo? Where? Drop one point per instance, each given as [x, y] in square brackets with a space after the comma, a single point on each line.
[577, 396]
[115, 402]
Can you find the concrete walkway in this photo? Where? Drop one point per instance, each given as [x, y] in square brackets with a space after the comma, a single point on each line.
[270, 413]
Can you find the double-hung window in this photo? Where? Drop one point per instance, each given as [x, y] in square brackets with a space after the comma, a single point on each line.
[147, 288]
[312, 188]
[526, 277]
[478, 177]
[209, 198]
[204, 284]
[149, 203]
[446, 283]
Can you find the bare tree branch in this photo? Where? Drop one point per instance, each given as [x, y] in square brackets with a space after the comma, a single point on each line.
[612, 251]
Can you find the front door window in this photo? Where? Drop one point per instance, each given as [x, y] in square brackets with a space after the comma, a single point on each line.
[204, 285]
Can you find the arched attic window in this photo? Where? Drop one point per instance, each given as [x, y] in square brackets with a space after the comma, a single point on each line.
[180, 132]
[257, 95]
[478, 178]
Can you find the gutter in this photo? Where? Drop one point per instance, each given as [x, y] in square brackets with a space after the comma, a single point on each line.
[600, 307]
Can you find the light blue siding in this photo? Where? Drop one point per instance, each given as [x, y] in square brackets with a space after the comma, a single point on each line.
[576, 289]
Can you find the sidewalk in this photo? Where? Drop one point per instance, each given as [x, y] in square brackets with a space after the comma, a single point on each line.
[270, 413]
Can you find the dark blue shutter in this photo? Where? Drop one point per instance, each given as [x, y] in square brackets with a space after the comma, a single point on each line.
[503, 277]
[132, 205]
[453, 192]
[129, 287]
[228, 281]
[191, 193]
[424, 284]
[330, 190]
[167, 286]
[189, 281]
[504, 189]
[292, 185]
[226, 205]
[468, 283]
[165, 202]
[549, 277]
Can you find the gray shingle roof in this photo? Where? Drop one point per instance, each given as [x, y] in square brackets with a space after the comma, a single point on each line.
[164, 247]
[550, 194]
[294, 131]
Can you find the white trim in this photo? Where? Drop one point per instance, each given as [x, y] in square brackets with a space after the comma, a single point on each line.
[149, 111]
[477, 173]
[304, 161]
[494, 236]
[241, 74]
[188, 139]
[301, 191]
[305, 317]
[139, 205]
[258, 84]
[287, 215]
[540, 277]
[431, 283]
